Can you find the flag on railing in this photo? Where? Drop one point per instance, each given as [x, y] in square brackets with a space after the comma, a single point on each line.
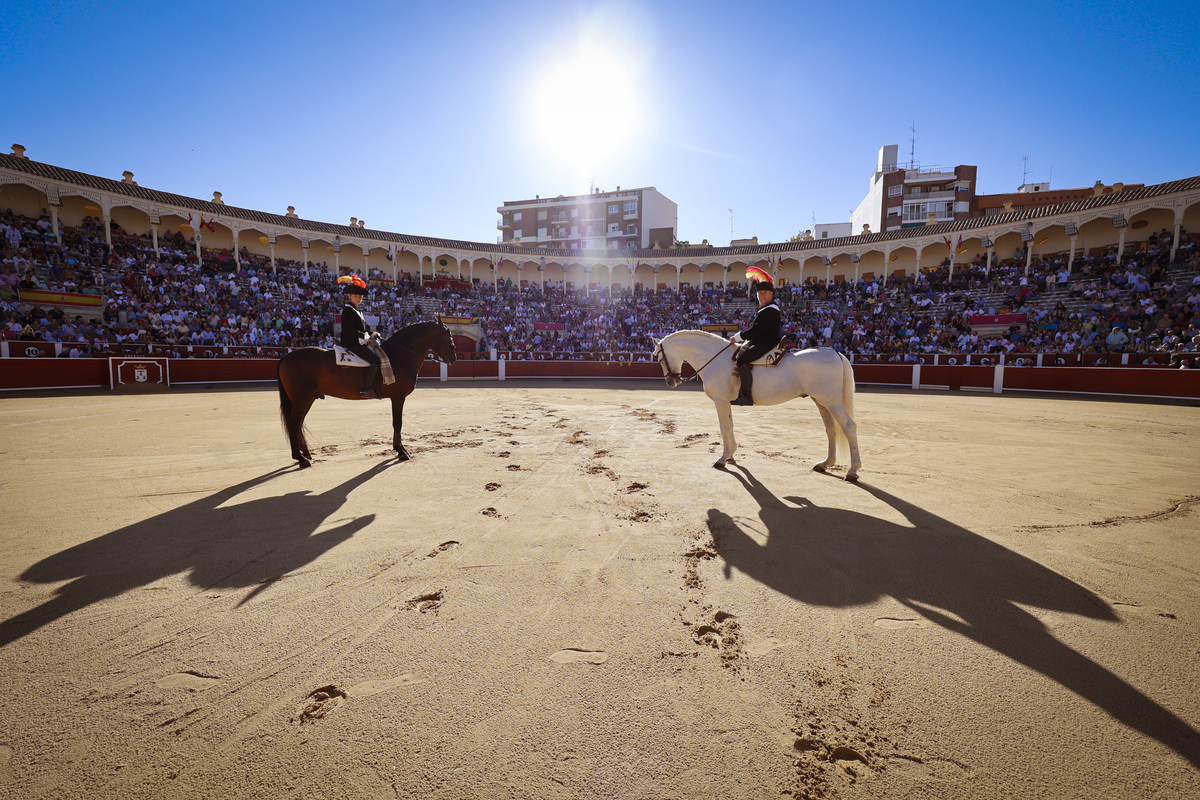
[949, 244]
[962, 248]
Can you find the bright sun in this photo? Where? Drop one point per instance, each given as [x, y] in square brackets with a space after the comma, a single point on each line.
[589, 106]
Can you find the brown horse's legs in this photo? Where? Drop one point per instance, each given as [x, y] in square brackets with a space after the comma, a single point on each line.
[295, 425]
[397, 423]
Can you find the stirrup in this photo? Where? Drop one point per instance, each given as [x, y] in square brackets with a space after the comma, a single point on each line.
[742, 400]
[369, 394]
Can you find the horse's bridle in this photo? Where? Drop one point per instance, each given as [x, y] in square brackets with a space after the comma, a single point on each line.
[660, 355]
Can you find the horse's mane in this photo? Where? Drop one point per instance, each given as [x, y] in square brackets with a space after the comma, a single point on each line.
[409, 332]
[709, 334]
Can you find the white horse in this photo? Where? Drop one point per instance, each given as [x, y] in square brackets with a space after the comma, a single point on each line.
[823, 374]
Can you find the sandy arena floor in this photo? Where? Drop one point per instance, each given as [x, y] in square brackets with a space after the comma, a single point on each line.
[558, 597]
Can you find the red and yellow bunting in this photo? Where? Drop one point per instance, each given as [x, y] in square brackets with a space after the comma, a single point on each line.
[39, 297]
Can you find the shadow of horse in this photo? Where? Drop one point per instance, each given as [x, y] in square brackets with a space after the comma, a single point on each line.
[838, 558]
[217, 545]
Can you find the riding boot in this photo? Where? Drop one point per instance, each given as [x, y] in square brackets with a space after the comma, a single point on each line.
[745, 398]
[368, 391]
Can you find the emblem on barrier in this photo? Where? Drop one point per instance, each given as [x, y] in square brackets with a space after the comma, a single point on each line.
[32, 352]
[1060, 360]
[987, 362]
[952, 361]
[1020, 362]
[141, 374]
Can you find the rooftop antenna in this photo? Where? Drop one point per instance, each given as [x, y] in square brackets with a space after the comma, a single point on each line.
[731, 224]
[912, 145]
[1051, 177]
[1024, 169]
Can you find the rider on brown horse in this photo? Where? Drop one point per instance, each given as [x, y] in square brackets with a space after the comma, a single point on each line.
[761, 337]
[354, 331]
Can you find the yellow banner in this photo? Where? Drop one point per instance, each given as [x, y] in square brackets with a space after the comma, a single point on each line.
[38, 297]
[457, 320]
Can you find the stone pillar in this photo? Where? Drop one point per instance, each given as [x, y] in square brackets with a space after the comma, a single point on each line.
[274, 269]
[1121, 246]
[987, 267]
[199, 258]
[1175, 242]
[678, 269]
[304, 255]
[237, 257]
[154, 233]
[337, 261]
[108, 232]
[1028, 255]
[58, 235]
[1071, 258]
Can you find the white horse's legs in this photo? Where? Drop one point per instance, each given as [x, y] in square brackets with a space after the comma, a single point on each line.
[831, 432]
[725, 418]
[838, 421]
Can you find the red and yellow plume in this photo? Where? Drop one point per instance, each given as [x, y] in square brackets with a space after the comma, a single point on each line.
[352, 279]
[758, 275]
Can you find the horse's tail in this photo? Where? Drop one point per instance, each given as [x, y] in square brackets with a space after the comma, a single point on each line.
[285, 402]
[843, 444]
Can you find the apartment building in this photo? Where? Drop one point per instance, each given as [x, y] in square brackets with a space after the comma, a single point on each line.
[911, 195]
[621, 219]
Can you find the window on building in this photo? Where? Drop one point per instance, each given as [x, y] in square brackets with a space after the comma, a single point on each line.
[574, 230]
[614, 209]
[614, 227]
[541, 231]
[631, 230]
[574, 245]
[516, 216]
[631, 208]
[916, 190]
[574, 213]
[824, 234]
[517, 233]
[542, 215]
[896, 191]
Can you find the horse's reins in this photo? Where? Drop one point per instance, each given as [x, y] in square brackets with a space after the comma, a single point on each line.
[695, 375]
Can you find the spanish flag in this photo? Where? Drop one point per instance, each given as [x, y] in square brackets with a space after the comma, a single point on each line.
[43, 298]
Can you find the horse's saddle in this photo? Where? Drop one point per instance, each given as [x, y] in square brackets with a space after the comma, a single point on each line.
[344, 358]
[768, 359]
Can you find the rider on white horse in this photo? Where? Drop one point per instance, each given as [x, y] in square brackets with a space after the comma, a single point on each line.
[761, 337]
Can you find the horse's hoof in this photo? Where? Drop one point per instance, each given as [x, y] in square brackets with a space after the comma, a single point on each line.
[402, 455]
[818, 467]
[730, 460]
[303, 463]
[719, 464]
[851, 477]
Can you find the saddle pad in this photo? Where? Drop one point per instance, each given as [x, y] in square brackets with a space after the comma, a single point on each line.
[344, 358]
[769, 359]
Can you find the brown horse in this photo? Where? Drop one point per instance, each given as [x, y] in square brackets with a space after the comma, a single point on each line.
[309, 374]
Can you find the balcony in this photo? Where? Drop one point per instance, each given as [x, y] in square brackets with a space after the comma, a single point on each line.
[943, 195]
[558, 217]
[501, 225]
[631, 215]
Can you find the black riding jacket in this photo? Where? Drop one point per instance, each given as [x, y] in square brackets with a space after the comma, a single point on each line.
[767, 330]
[354, 327]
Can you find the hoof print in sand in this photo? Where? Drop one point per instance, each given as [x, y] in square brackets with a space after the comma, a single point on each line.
[321, 702]
[491, 512]
[441, 548]
[635, 487]
[430, 601]
[724, 635]
[575, 656]
[491, 487]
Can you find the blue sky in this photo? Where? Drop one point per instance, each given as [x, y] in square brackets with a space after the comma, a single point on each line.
[421, 118]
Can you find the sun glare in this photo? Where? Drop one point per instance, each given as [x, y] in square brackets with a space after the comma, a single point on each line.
[590, 104]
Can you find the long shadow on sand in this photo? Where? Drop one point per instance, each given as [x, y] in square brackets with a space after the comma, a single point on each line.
[219, 546]
[837, 558]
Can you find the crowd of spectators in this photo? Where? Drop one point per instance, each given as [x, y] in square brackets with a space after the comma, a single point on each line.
[1142, 305]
